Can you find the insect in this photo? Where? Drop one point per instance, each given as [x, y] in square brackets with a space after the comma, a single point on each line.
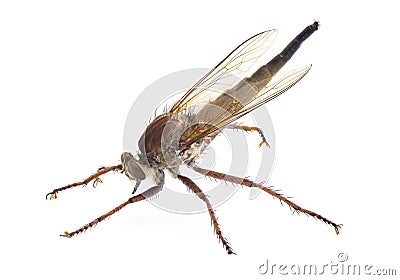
[179, 136]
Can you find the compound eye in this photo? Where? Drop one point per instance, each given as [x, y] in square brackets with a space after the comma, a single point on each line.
[134, 170]
[126, 156]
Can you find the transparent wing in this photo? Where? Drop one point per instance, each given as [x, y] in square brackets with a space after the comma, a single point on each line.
[278, 85]
[219, 79]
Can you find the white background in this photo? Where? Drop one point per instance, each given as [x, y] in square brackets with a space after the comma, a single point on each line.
[69, 73]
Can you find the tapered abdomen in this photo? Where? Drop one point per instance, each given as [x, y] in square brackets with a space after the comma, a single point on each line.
[246, 90]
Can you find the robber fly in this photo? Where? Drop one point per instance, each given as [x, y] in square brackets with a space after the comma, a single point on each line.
[180, 135]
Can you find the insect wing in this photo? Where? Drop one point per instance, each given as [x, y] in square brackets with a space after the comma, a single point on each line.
[219, 79]
[278, 85]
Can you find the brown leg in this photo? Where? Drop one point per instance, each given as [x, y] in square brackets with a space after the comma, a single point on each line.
[251, 184]
[101, 171]
[234, 126]
[144, 195]
[250, 128]
[194, 188]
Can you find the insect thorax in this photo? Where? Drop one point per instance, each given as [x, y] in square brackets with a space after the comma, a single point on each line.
[166, 142]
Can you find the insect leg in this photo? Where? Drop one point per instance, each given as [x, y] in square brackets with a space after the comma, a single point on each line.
[250, 128]
[101, 171]
[144, 195]
[251, 184]
[194, 188]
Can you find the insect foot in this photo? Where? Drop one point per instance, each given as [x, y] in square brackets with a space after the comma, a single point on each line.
[96, 182]
[264, 142]
[66, 234]
[51, 195]
[337, 227]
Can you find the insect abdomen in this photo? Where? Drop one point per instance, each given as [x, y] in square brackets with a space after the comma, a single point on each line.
[264, 74]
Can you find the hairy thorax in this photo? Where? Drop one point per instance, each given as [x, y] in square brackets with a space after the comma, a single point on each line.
[167, 141]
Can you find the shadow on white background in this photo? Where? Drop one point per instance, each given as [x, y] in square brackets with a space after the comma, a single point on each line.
[69, 74]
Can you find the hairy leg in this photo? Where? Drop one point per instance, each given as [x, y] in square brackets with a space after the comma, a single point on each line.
[101, 171]
[250, 128]
[144, 195]
[212, 136]
[194, 188]
[251, 184]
